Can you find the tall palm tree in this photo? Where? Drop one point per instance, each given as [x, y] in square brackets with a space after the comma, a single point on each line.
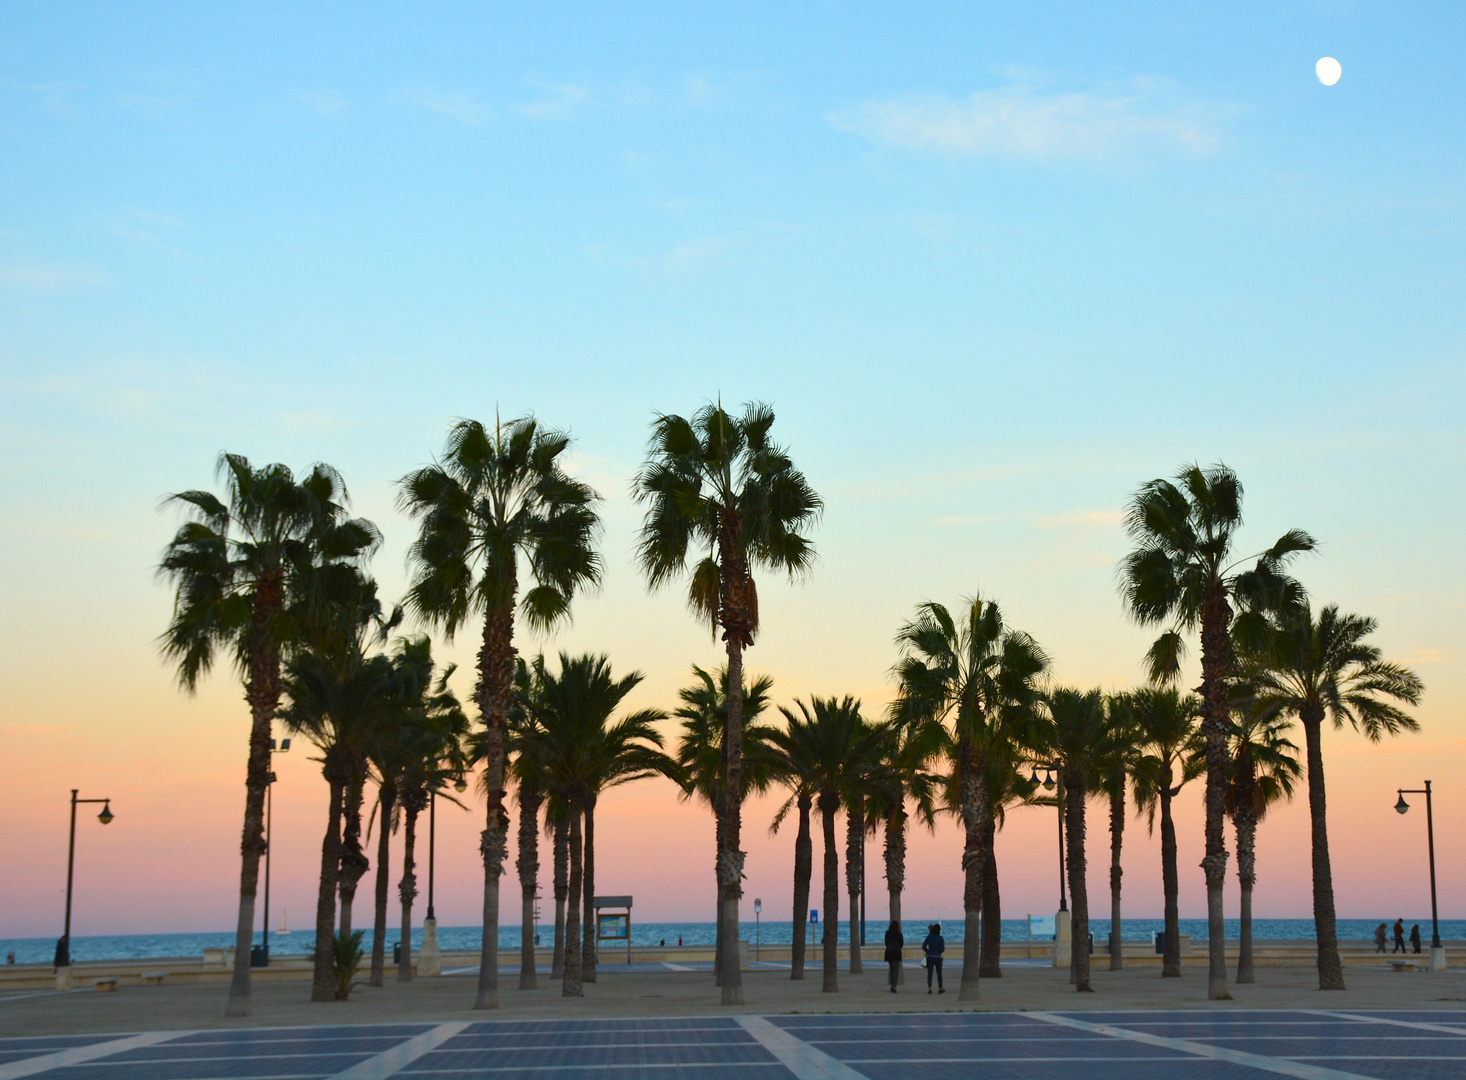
[530, 784]
[1183, 571]
[584, 752]
[243, 569]
[1005, 787]
[816, 747]
[1172, 752]
[1076, 733]
[1264, 769]
[982, 680]
[494, 497]
[718, 483]
[333, 690]
[1325, 669]
[702, 754]
[1118, 763]
[558, 826]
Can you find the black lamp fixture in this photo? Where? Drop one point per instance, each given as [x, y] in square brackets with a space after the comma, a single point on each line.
[105, 817]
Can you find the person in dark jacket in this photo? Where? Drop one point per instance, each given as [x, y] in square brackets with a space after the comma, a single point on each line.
[1381, 937]
[1415, 938]
[932, 948]
[1399, 935]
[895, 941]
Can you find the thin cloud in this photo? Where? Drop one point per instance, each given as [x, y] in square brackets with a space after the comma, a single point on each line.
[964, 519]
[1025, 122]
[459, 104]
[560, 101]
[49, 279]
[325, 101]
[1083, 519]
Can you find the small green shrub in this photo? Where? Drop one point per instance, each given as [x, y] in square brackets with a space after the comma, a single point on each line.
[347, 954]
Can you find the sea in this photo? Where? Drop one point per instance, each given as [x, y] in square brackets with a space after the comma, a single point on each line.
[298, 942]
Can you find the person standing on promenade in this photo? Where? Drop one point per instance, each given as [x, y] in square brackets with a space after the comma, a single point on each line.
[1381, 936]
[1415, 938]
[895, 941]
[1399, 935]
[932, 948]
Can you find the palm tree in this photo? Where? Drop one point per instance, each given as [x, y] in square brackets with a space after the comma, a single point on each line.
[433, 748]
[582, 752]
[242, 571]
[718, 483]
[558, 825]
[983, 681]
[816, 748]
[1172, 751]
[1263, 772]
[702, 753]
[333, 691]
[1182, 571]
[1076, 733]
[530, 784]
[1006, 786]
[901, 773]
[1115, 769]
[1325, 668]
[494, 497]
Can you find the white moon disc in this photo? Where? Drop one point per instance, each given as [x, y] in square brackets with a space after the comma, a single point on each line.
[1328, 70]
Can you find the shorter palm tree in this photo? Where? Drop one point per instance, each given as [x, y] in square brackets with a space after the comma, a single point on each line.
[1172, 752]
[1325, 669]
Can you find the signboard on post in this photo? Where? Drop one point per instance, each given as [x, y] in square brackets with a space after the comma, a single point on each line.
[616, 925]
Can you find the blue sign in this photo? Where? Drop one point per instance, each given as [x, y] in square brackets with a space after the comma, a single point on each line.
[814, 915]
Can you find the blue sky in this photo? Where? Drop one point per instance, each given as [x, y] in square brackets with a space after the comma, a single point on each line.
[994, 266]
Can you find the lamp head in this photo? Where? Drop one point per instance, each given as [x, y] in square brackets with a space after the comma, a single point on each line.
[758, 905]
[1402, 805]
[1033, 780]
[1049, 784]
[284, 745]
[460, 784]
[105, 817]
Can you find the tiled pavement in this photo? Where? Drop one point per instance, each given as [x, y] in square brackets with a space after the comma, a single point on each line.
[1220, 1045]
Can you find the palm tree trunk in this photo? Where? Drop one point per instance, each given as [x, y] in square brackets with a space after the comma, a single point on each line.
[386, 803]
[991, 965]
[354, 862]
[528, 866]
[495, 693]
[572, 987]
[1244, 820]
[1330, 970]
[1117, 834]
[562, 890]
[1170, 884]
[718, 924]
[854, 830]
[588, 949]
[896, 870]
[323, 979]
[730, 865]
[1216, 710]
[975, 813]
[1075, 795]
[407, 887]
[803, 870]
[262, 691]
[831, 938]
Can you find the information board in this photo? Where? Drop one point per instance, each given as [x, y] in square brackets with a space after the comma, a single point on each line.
[613, 927]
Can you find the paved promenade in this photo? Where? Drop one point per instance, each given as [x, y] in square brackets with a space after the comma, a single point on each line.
[1232, 1044]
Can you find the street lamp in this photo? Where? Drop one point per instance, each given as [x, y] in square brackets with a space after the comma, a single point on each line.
[1048, 783]
[63, 947]
[429, 959]
[758, 906]
[259, 956]
[1437, 952]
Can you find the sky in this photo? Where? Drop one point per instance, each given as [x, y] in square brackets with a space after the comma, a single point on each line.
[994, 267]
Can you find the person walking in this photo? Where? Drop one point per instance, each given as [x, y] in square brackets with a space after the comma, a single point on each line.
[1415, 938]
[895, 942]
[1381, 936]
[1399, 935]
[932, 948]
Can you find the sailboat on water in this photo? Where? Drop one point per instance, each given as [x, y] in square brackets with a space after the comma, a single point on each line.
[283, 928]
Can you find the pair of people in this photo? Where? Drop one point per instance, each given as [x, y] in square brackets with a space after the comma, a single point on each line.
[932, 948]
[1380, 937]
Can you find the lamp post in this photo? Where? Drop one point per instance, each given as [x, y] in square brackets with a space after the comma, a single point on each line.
[429, 958]
[1053, 780]
[1437, 951]
[758, 906]
[259, 956]
[63, 947]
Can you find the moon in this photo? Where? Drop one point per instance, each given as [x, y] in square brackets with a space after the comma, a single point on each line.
[1328, 70]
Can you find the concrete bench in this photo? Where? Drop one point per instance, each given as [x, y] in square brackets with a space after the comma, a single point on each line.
[1403, 965]
[154, 978]
[107, 986]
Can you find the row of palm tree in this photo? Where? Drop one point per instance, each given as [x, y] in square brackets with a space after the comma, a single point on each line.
[275, 575]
